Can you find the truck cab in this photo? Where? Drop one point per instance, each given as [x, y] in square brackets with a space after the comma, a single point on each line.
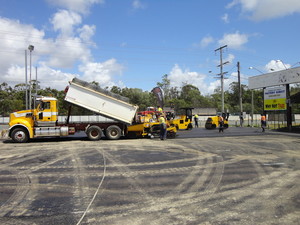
[46, 111]
[25, 124]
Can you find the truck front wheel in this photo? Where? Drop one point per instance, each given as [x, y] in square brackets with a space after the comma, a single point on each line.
[113, 132]
[94, 133]
[19, 135]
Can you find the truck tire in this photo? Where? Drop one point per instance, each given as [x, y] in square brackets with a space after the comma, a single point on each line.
[94, 133]
[19, 135]
[113, 132]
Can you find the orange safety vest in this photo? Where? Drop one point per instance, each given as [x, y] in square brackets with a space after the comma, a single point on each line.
[263, 118]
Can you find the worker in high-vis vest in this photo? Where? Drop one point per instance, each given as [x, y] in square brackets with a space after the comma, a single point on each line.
[163, 128]
[263, 122]
[196, 120]
[159, 109]
[221, 124]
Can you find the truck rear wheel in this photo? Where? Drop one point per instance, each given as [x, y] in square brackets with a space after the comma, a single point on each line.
[19, 135]
[113, 132]
[94, 133]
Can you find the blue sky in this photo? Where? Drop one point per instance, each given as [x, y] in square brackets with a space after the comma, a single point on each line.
[133, 43]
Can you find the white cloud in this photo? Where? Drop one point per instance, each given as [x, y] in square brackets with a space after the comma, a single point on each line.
[137, 4]
[229, 58]
[47, 76]
[15, 40]
[72, 44]
[79, 6]
[267, 9]
[64, 21]
[276, 65]
[102, 73]
[225, 18]
[67, 52]
[234, 40]
[205, 42]
[179, 77]
[86, 32]
[69, 49]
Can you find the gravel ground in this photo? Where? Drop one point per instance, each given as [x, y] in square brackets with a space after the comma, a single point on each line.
[214, 179]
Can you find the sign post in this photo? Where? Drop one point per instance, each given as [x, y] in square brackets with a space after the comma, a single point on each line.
[283, 77]
[275, 98]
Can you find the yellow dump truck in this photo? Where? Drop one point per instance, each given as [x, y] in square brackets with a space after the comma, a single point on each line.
[42, 121]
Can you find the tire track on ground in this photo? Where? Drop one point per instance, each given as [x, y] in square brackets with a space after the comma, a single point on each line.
[27, 185]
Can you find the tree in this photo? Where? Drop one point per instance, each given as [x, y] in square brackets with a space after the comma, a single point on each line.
[138, 97]
[216, 99]
[165, 86]
[116, 90]
[191, 95]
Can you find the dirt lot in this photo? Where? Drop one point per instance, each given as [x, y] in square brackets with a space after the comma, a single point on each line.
[211, 180]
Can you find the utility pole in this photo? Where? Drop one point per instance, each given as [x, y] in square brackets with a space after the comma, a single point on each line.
[26, 83]
[222, 73]
[30, 48]
[36, 87]
[240, 94]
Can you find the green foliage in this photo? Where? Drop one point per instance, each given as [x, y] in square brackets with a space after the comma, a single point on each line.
[138, 97]
[295, 89]
[13, 99]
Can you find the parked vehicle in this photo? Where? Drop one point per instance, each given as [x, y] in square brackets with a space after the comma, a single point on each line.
[42, 121]
[184, 122]
[212, 122]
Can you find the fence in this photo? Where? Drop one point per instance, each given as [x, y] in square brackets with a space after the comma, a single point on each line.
[274, 123]
[73, 119]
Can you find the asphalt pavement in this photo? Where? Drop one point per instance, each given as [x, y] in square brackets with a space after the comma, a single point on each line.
[241, 176]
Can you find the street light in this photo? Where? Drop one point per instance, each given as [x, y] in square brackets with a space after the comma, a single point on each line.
[26, 84]
[252, 96]
[284, 65]
[253, 68]
[30, 48]
[278, 60]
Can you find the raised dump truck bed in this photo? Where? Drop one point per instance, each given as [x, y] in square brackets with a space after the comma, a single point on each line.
[42, 121]
[101, 101]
